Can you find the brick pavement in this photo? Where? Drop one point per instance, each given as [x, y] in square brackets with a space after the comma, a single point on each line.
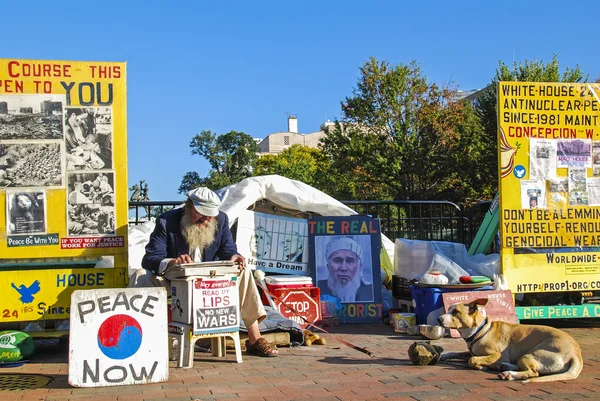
[330, 372]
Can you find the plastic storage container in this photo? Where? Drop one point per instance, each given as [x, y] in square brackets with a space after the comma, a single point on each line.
[429, 304]
[287, 281]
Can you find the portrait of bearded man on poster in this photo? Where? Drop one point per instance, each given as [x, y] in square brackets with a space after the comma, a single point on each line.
[346, 266]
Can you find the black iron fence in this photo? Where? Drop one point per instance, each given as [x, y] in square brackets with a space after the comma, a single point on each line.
[409, 219]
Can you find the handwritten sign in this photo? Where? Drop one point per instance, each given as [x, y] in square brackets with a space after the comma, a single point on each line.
[548, 135]
[216, 305]
[500, 304]
[114, 337]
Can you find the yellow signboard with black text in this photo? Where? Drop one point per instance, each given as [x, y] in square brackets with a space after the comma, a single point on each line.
[63, 175]
[549, 162]
[46, 293]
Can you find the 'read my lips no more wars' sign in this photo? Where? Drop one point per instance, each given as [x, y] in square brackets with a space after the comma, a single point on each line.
[216, 305]
[118, 337]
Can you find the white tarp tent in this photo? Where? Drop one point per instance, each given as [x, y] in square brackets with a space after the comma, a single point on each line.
[279, 195]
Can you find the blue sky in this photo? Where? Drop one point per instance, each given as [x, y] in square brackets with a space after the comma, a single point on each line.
[232, 65]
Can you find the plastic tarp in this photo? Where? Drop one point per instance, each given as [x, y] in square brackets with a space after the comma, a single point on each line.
[282, 193]
[413, 258]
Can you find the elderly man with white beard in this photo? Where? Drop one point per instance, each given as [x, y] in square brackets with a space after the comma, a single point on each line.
[199, 232]
[344, 264]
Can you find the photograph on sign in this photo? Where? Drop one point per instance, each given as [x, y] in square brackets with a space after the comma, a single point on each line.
[593, 189]
[344, 267]
[273, 243]
[27, 117]
[574, 153]
[578, 195]
[25, 212]
[542, 159]
[88, 138]
[596, 152]
[116, 335]
[216, 305]
[558, 189]
[533, 194]
[90, 204]
[35, 164]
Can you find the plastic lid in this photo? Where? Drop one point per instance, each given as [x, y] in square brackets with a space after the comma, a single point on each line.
[288, 279]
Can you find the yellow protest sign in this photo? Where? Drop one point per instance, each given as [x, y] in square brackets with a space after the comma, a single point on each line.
[46, 293]
[63, 175]
[63, 159]
[549, 162]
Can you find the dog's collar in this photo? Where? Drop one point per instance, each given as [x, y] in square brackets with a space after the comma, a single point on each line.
[472, 340]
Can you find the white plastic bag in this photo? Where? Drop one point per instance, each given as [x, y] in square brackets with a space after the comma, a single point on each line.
[414, 258]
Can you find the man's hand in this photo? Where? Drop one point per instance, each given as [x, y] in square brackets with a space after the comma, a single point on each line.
[180, 260]
[239, 259]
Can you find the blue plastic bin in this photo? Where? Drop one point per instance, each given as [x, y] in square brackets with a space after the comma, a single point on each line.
[429, 304]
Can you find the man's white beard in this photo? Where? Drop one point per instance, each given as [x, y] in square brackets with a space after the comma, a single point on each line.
[198, 236]
[344, 292]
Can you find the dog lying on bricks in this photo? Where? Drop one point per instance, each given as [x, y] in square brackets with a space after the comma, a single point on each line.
[524, 352]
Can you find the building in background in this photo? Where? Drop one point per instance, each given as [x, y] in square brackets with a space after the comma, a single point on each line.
[279, 141]
[470, 95]
[49, 107]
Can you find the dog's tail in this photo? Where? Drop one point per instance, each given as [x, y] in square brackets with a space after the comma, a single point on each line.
[574, 370]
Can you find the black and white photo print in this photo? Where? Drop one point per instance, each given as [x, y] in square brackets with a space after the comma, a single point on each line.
[26, 117]
[25, 212]
[90, 204]
[88, 138]
[35, 164]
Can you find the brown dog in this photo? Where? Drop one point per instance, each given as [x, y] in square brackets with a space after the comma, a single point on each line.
[521, 352]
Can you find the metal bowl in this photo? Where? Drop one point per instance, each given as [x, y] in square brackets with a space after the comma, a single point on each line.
[431, 332]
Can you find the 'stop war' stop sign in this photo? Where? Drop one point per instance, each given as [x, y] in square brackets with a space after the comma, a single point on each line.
[302, 302]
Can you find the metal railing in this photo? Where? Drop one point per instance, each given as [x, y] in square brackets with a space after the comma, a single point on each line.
[413, 219]
[409, 219]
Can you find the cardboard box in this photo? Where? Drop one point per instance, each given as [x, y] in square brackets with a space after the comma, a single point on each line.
[181, 300]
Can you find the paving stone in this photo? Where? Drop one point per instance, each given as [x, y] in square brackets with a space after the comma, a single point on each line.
[324, 373]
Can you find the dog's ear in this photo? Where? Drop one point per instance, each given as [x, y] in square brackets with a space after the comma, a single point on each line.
[474, 305]
[481, 301]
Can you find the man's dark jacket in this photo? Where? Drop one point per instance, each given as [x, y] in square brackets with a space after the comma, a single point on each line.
[167, 241]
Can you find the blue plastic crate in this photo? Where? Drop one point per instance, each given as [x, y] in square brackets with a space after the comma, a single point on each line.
[429, 304]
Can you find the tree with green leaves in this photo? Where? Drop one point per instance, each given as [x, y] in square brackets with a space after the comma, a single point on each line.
[486, 104]
[302, 163]
[231, 156]
[402, 137]
[310, 166]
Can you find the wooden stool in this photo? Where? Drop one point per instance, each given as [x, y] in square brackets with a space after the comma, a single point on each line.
[186, 341]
